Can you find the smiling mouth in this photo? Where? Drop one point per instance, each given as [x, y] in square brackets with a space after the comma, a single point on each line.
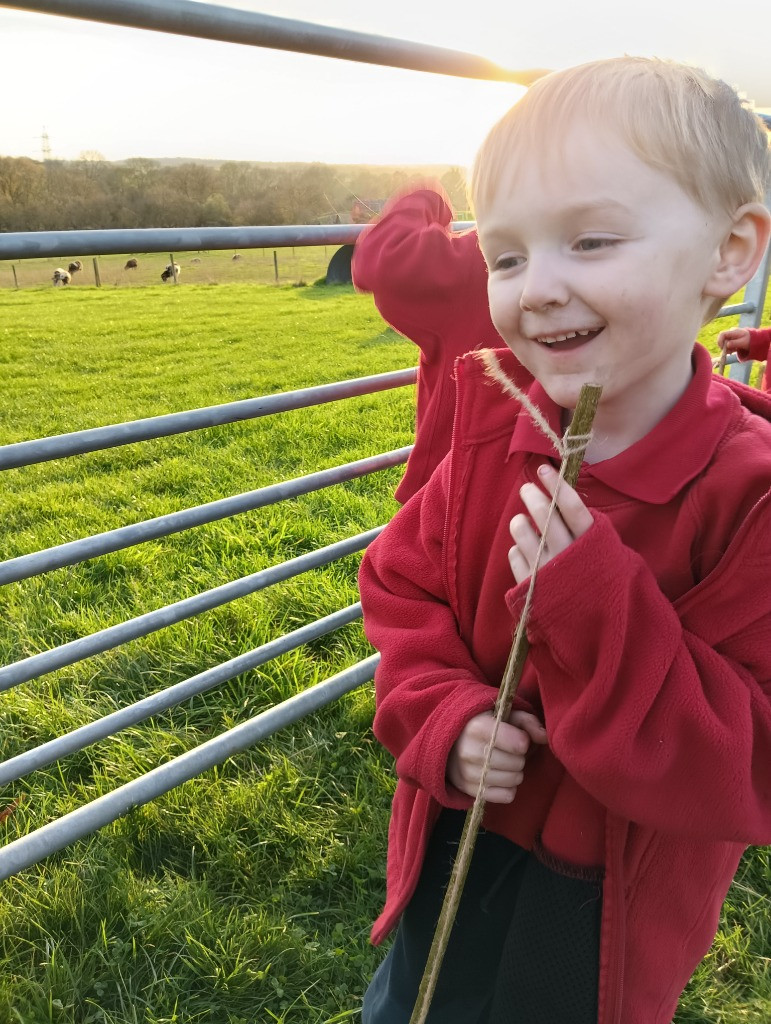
[569, 340]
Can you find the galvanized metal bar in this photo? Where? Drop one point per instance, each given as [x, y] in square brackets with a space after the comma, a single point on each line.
[109, 241]
[16, 767]
[35, 846]
[226, 24]
[15, 245]
[21, 568]
[736, 308]
[44, 449]
[113, 636]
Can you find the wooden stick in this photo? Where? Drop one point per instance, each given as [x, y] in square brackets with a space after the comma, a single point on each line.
[580, 426]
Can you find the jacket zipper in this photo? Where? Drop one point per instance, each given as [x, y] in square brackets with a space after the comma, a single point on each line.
[614, 940]
[451, 488]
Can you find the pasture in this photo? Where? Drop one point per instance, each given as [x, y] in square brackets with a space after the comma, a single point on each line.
[245, 895]
[301, 264]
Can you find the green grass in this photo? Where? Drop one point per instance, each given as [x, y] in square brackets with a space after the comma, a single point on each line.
[246, 895]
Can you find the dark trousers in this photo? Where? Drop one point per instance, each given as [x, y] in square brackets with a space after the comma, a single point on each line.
[524, 948]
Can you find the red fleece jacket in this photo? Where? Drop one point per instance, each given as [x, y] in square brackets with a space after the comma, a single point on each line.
[650, 662]
[430, 284]
[760, 342]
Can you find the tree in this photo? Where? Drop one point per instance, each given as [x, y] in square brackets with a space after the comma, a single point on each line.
[215, 212]
[20, 179]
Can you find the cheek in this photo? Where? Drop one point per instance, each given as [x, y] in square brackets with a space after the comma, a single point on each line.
[504, 309]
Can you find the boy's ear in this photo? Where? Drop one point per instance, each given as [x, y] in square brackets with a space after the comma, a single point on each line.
[741, 251]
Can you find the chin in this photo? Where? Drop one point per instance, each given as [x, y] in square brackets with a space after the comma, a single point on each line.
[564, 393]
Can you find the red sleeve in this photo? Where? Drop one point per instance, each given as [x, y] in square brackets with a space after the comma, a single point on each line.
[414, 265]
[662, 712]
[427, 686]
[760, 342]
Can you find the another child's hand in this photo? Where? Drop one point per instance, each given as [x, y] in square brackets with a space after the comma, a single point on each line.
[507, 764]
[570, 519]
[735, 340]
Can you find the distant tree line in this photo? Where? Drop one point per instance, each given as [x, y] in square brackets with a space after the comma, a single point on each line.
[138, 193]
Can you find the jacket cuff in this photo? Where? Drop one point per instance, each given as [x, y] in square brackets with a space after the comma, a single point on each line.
[424, 764]
[760, 339]
[574, 592]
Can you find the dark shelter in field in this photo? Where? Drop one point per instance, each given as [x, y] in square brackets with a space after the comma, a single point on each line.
[339, 269]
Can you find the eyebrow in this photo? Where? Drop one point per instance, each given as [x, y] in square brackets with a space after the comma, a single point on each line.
[603, 203]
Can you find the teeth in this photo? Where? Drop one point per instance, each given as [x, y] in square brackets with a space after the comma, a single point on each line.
[563, 337]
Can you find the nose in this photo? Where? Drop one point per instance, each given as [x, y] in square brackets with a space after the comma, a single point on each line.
[544, 283]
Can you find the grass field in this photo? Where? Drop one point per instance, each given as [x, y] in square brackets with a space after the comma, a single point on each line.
[247, 894]
[294, 265]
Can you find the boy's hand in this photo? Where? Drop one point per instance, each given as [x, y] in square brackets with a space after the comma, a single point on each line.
[507, 764]
[570, 519]
[735, 340]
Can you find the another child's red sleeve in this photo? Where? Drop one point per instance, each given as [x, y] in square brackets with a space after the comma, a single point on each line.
[760, 342]
[410, 263]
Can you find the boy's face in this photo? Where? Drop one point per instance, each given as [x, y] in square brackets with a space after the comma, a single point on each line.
[598, 265]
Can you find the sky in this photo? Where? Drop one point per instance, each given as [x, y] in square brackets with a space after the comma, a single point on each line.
[127, 92]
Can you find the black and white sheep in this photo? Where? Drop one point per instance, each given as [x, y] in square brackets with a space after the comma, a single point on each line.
[131, 264]
[74, 267]
[169, 273]
[61, 277]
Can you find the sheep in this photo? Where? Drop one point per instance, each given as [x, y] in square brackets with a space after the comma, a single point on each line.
[236, 256]
[131, 264]
[169, 274]
[61, 277]
[195, 259]
[75, 266]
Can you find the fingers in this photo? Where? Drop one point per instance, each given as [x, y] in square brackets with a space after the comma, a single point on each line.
[735, 340]
[573, 512]
[508, 740]
[732, 334]
[507, 759]
[520, 566]
[530, 724]
[569, 520]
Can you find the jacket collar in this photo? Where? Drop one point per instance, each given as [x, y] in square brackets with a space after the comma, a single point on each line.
[679, 447]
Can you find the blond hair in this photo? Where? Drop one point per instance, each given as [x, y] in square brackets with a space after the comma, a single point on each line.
[676, 118]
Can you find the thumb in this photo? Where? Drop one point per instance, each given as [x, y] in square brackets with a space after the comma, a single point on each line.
[531, 724]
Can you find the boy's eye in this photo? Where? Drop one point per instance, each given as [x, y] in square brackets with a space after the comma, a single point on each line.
[593, 244]
[508, 262]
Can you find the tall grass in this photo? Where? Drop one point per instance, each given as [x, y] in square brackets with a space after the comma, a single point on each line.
[245, 895]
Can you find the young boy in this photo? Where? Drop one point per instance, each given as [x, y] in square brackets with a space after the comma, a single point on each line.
[430, 284]
[618, 205]
[749, 343]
